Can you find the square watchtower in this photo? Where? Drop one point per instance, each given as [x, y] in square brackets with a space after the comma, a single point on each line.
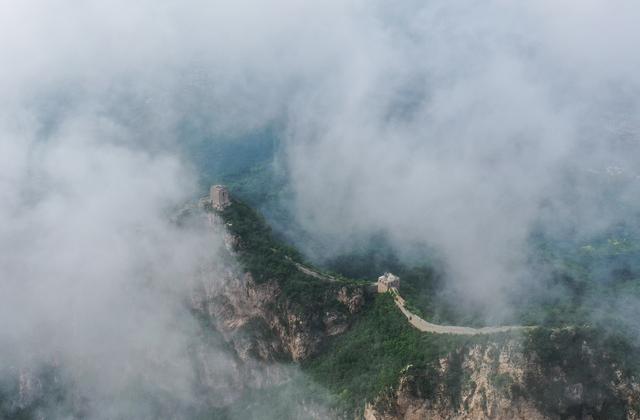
[219, 197]
[388, 281]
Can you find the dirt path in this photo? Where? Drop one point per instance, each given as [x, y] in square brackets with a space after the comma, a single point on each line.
[425, 326]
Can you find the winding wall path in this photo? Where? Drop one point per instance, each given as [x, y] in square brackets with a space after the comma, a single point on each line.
[418, 322]
[310, 272]
[425, 326]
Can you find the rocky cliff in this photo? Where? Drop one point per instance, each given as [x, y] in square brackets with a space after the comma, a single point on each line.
[287, 311]
[270, 306]
[262, 306]
[263, 324]
[513, 378]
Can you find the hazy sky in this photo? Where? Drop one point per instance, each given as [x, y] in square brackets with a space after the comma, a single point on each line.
[457, 124]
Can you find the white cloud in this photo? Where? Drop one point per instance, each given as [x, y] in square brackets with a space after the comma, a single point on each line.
[439, 122]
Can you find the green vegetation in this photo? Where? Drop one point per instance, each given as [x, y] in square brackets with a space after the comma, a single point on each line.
[580, 280]
[595, 283]
[367, 261]
[422, 286]
[423, 289]
[267, 258]
[259, 253]
[577, 282]
[368, 359]
[588, 359]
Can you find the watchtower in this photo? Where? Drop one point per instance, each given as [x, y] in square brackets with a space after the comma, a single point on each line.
[219, 197]
[388, 281]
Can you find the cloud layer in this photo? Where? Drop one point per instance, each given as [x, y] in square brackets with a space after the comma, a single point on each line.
[462, 126]
[93, 273]
[467, 125]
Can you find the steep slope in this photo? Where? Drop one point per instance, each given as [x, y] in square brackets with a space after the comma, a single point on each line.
[288, 327]
[514, 379]
[362, 348]
[268, 307]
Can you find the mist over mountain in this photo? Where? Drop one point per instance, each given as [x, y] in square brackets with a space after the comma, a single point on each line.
[489, 151]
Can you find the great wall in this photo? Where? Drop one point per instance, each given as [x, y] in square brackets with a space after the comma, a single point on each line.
[389, 283]
[219, 199]
[426, 326]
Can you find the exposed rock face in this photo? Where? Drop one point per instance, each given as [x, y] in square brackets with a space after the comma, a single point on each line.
[353, 301]
[474, 394]
[262, 324]
[494, 381]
